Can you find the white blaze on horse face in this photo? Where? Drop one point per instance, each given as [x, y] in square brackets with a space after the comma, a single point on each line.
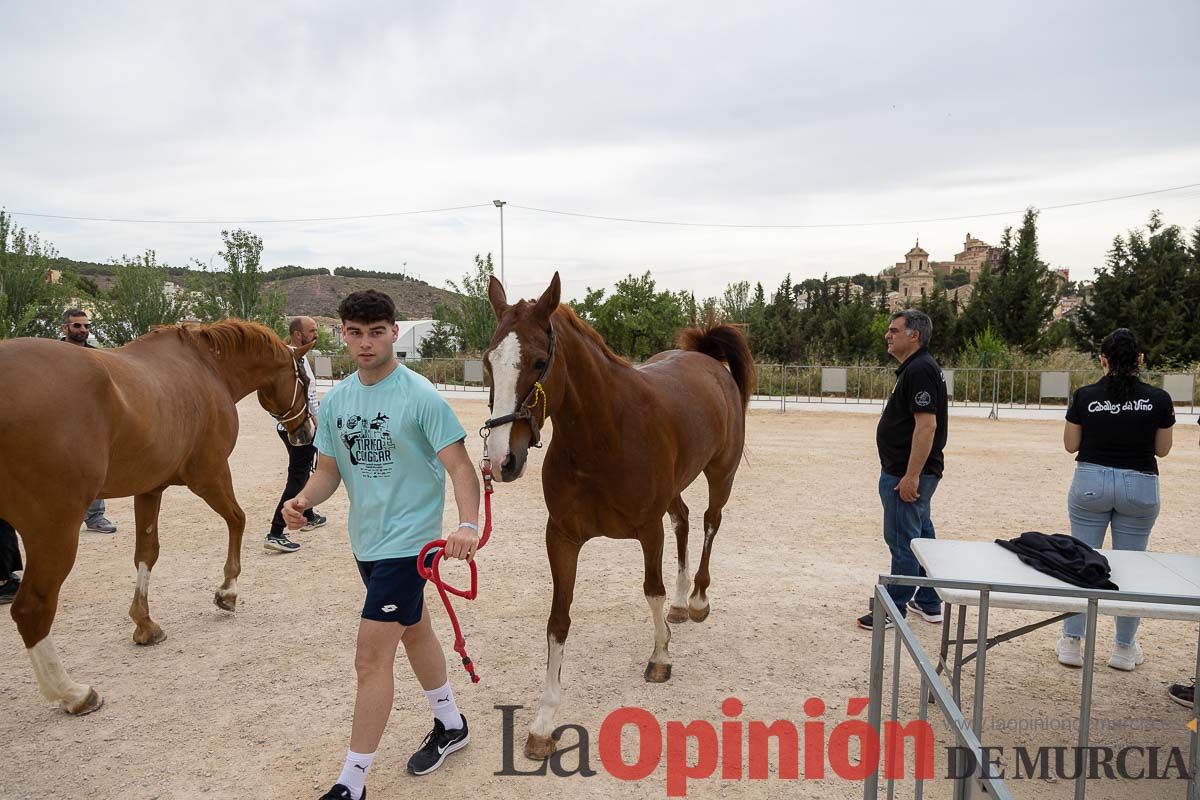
[543, 725]
[506, 371]
[56, 685]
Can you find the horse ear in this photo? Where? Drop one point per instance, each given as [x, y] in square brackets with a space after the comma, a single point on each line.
[497, 297]
[299, 352]
[549, 299]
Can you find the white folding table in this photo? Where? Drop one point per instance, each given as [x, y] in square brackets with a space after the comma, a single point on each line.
[1140, 575]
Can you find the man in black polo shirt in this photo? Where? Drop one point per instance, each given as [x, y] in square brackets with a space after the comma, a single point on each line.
[910, 438]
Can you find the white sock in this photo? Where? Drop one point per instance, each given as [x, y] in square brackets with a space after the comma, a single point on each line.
[444, 708]
[354, 772]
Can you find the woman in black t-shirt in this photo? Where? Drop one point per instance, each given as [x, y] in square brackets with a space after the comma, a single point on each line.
[1118, 426]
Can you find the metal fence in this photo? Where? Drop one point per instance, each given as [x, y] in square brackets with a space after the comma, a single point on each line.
[997, 389]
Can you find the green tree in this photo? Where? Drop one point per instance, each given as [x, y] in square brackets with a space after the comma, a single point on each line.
[237, 291]
[735, 302]
[1029, 289]
[29, 303]
[439, 343]
[944, 344]
[471, 320]
[137, 301]
[1149, 284]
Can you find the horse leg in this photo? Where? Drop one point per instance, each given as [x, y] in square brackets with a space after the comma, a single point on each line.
[564, 558]
[719, 487]
[217, 491]
[145, 555]
[50, 554]
[678, 512]
[658, 670]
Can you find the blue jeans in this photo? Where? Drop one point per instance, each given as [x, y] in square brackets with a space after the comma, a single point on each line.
[95, 511]
[903, 522]
[1127, 500]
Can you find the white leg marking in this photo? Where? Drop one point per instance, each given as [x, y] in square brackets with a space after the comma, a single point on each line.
[700, 600]
[552, 693]
[682, 582]
[143, 579]
[662, 631]
[506, 370]
[56, 685]
[231, 591]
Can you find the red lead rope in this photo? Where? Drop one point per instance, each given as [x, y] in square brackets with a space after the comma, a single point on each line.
[433, 571]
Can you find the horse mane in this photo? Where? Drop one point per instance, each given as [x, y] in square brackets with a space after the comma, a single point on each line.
[230, 336]
[565, 314]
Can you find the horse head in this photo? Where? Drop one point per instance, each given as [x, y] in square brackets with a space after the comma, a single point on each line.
[285, 397]
[520, 360]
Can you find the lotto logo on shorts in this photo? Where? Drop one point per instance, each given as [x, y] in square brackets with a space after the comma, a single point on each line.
[389, 608]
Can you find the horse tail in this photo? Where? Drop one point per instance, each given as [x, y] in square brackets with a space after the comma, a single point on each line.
[727, 344]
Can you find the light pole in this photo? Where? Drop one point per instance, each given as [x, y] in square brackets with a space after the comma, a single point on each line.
[500, 205]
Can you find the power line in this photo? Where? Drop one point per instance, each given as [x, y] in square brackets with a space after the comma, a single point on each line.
[603, 217]
[849, 224]
[245, 221]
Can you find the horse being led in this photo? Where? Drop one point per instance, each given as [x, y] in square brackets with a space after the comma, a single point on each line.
[627, 442]
[87, 423]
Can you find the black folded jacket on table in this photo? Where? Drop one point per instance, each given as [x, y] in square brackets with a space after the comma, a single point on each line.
[1063, 557]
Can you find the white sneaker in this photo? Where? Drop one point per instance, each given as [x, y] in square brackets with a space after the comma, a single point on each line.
[1070, 651]
[1126, 657]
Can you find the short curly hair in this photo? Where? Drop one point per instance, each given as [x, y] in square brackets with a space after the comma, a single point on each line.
[366, 307]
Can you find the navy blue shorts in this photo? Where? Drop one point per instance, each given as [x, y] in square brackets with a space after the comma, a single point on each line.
[395, 590]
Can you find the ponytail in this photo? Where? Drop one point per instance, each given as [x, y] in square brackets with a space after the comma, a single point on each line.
[1121, 350]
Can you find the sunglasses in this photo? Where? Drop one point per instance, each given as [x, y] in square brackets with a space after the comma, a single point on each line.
[81, 326]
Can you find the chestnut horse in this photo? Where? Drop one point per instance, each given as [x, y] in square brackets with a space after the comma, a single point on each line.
[626, 443]
[82, 423]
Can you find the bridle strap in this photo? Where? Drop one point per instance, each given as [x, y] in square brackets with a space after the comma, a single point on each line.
[525, 409]
[285, 417]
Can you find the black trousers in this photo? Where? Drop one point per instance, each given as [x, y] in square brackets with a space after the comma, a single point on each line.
[10, 552]
[300, 466]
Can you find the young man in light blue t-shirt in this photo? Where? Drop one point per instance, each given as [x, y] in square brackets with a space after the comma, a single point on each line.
[390, 437]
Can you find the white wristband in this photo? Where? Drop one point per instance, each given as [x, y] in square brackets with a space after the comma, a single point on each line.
[470, 525]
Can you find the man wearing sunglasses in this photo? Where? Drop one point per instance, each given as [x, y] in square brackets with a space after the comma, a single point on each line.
[76, 329]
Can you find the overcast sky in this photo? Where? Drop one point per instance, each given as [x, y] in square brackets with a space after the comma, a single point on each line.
[760, 114]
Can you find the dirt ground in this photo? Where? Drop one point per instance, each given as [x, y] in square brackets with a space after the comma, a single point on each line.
[257, 704]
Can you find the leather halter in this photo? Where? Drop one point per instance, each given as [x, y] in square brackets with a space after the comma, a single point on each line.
[526, 407]
[286, 417]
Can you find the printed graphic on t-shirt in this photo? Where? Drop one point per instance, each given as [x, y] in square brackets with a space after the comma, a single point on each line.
[369, 444]
[1108, 406]
[923, 399]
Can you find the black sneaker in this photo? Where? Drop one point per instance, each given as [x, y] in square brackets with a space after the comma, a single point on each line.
[9, 590]
[340, 792]
[281, 543]
[318, 520]
[438, 744]
[928, 616]
[1183, 693]
[867, 622]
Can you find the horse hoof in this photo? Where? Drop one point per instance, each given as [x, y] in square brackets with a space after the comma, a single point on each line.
[698, 614]
[658, 673]
[147, 638]
[89, 704]
[677, 614]
[225, 602]
[539, 748]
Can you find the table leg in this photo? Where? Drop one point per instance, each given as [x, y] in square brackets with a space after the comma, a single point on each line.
[1085, 705]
